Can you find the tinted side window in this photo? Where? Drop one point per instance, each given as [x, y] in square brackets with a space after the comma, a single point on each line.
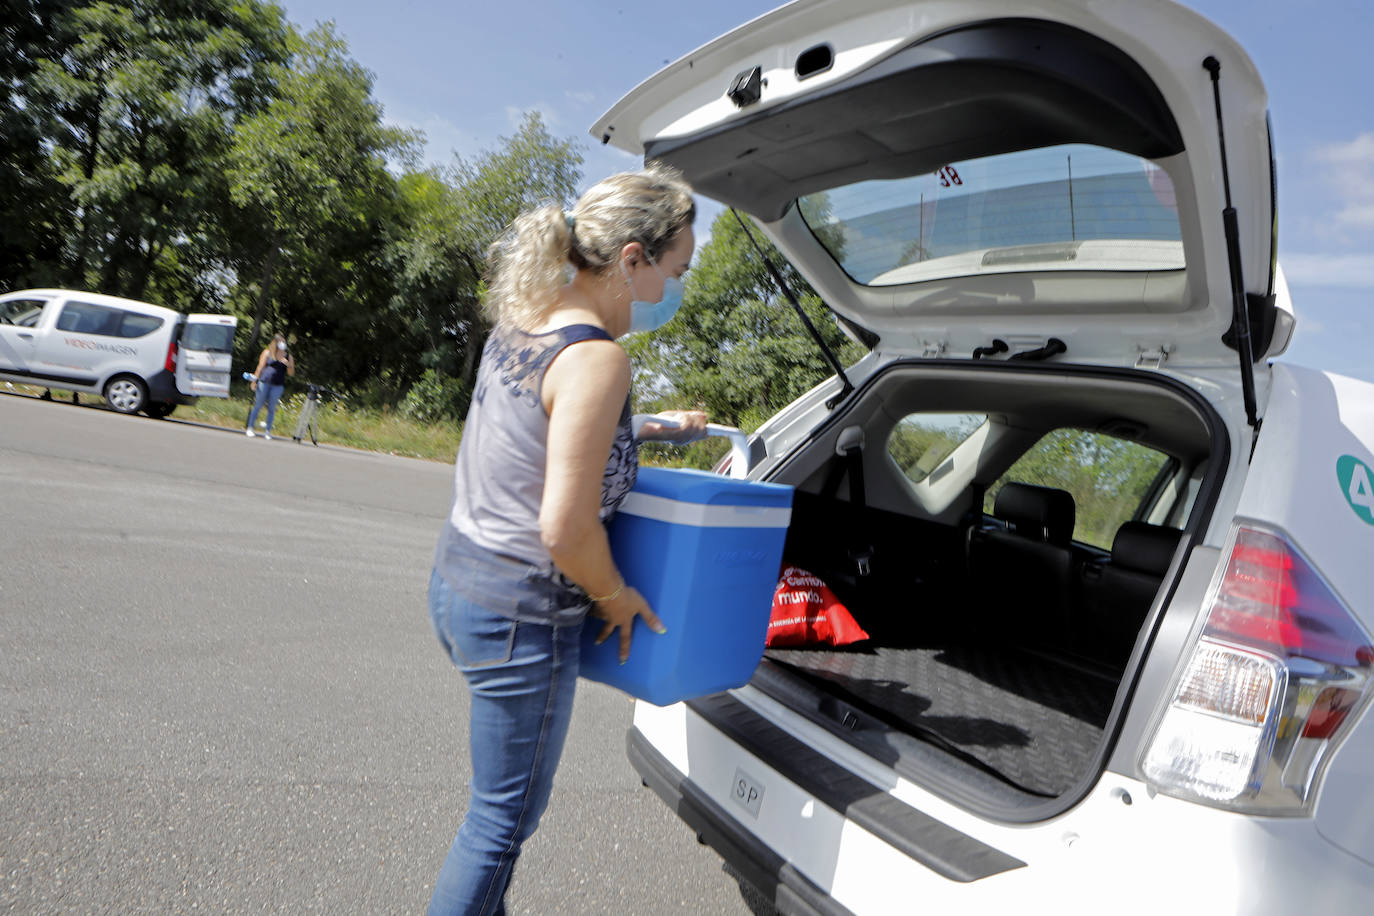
[1107, 477]
[136, 325]
[85, 318]
[921, 441]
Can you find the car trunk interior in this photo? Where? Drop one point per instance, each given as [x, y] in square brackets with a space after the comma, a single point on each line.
[998, 642]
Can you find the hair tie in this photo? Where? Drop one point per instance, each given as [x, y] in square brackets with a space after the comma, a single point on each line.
[570, 220]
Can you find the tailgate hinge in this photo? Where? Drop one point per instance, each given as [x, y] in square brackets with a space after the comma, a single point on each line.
[1152, 358]
[933, 349]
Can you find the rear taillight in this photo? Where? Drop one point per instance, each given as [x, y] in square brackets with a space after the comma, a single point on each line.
[1269, 686]
[172, 350]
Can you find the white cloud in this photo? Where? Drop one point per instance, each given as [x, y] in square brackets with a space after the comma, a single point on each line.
[1350, 170]
[1360, 150]
[442, 136]
[581, 97]
[1354, 271]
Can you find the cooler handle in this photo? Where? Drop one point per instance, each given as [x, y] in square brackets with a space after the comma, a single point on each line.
[739, 441]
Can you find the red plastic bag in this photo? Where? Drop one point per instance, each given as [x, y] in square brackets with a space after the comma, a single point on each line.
[807, 613]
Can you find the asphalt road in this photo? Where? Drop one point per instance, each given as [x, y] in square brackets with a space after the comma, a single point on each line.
[219, 691]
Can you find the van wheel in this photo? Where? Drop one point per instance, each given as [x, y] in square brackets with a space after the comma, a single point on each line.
[126, 394]
[159, 409]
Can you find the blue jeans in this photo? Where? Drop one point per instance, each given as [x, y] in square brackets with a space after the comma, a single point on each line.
[270, 395]
[521, 677]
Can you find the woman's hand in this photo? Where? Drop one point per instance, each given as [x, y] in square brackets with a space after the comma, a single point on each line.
[691, 426]
[620, 613]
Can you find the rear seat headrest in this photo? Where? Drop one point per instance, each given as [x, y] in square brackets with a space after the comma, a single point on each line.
[1042, 513]
[1144, 547]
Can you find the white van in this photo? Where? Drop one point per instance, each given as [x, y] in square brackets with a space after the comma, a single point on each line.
[139, 357]
[1114, 561]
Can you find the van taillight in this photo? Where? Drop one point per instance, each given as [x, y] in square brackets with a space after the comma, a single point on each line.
[172, 351]
[1268, 688]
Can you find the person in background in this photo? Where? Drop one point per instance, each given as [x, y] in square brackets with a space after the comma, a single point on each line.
[269, 381]
[547, 455]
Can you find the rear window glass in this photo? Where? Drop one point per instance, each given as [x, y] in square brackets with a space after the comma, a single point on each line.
[921, 441]
[1073, 207]
[1107, 477]
[216, 338]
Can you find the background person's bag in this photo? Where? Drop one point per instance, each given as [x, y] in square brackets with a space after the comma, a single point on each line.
[807, 613]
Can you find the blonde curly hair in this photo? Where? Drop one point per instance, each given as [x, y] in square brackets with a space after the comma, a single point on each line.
[530, 261]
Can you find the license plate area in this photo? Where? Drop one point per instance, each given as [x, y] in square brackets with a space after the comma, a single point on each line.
[747, 792]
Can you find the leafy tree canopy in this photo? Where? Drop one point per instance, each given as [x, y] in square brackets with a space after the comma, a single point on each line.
[736, 348]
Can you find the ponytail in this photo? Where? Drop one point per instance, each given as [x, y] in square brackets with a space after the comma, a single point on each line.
[532, 260]
[528, 265]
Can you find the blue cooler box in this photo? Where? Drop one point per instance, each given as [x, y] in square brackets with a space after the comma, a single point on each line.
[705, 552]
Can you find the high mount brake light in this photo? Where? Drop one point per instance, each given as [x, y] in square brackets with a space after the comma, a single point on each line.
[1274, 674]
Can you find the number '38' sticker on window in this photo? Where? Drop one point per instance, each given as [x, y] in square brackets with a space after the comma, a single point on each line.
[1357, 483]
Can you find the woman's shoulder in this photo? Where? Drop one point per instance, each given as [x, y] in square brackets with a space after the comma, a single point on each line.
[598, 357]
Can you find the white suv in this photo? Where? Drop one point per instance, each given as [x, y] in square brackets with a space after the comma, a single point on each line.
[1116, 575]
[139, 357]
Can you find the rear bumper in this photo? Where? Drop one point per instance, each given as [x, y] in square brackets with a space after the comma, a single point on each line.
[790, 891]
[823, 839]
[162, 387]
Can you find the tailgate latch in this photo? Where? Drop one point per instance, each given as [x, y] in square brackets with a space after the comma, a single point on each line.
[1153, 358]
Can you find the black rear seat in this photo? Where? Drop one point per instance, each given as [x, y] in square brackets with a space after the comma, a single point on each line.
[1024, 574]
[1116, 596]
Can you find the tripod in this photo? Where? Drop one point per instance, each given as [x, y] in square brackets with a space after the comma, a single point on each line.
[308, 423]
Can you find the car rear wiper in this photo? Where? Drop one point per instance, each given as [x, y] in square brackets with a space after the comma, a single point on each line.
[846, 385]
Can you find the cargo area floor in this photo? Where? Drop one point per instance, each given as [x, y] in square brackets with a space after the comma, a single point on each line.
[1030, 719]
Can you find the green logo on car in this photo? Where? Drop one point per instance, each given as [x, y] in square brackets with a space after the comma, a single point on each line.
[1357, 483]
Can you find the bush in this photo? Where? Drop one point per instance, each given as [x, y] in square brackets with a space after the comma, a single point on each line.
[434, 398]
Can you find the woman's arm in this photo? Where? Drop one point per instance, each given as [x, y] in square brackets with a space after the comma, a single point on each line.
[584, 392]
[290, 364]
[691, 427]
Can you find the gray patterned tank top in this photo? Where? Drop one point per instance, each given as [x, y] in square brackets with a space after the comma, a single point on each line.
[499, 474]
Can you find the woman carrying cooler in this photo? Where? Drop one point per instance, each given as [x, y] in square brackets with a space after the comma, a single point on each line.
[546, 456]
[269, 381]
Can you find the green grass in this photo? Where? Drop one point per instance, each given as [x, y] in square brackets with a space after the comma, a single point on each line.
[339, 424]
[371, 430]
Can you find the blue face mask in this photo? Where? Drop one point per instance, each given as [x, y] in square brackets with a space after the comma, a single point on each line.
[650, 316]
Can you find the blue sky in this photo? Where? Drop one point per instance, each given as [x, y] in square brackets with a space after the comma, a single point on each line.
[465, 72]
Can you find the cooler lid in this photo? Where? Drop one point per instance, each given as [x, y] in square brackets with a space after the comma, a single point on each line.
[685, 496]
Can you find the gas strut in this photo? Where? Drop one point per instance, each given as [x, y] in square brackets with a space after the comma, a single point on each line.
[1240, 314]
[846, 385]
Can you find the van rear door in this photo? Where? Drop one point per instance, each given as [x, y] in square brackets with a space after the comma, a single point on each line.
[206, 350]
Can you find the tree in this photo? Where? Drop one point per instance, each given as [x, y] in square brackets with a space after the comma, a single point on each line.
[205, 154]
[137, 101]
[531, 168]
[34, 214]
[438, 248]
[736, 348]
[308, 180]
